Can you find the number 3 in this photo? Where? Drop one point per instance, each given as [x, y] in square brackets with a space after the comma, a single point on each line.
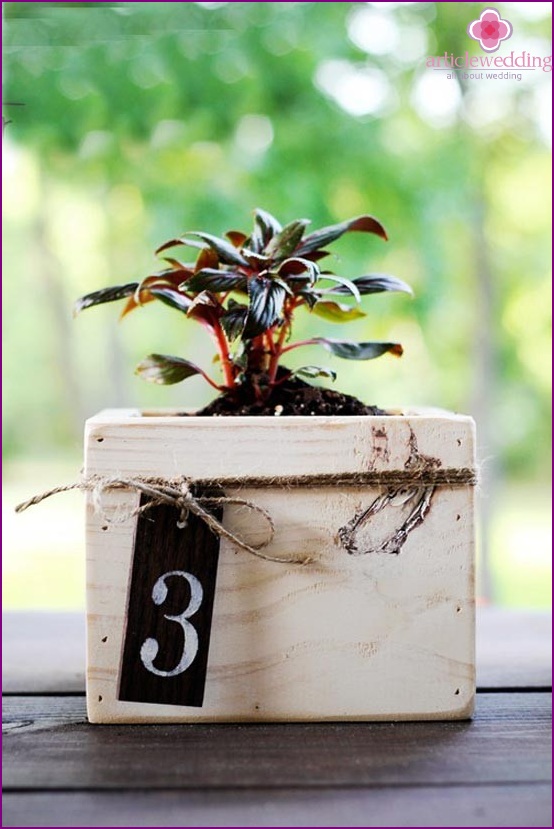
[150, 647]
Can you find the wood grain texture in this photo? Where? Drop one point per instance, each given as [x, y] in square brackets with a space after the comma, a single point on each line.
[44, 652]
[49, 745]
[363, 637]
[496, 805]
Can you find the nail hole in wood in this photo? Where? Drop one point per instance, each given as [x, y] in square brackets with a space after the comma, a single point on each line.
[459, 442]
[458, 517]
[99, 440]
[457, 691]
[257, 707]
[99, 699]
[104, 639]
[458, 609]
[104, 528]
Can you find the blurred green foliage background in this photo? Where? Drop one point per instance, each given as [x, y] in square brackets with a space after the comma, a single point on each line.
[133, 122]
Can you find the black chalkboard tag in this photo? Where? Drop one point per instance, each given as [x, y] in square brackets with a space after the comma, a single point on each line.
[169, 611]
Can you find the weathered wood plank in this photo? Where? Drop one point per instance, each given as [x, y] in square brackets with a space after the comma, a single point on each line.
[49, 745]
[523, 805]
[45, 652]
[230, 448]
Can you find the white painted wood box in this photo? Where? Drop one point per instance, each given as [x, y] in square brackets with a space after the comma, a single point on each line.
[359, 633]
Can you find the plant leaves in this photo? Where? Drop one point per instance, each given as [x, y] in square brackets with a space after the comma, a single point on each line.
[234, 319]
[348, 284]
[316, 371]
[316, 255]
[207, 258]
[236, 237]
[336, 311]
[374, 283]
[266, 302]
[320, 238]
[138, 299]
[309, 296]
[167, 284]
[256, 260]
[178, 266]
[295, 266]
[227, 253]
[104, 295]
[358, 351]
[206, 310]
[165, 370]
[286, 241]
[173, 243]
[170, 296]
[216, 281]
[267, 225]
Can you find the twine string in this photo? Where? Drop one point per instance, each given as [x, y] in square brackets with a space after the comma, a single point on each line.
[179, 493]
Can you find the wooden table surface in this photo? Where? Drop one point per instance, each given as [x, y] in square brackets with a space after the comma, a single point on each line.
[61, 771]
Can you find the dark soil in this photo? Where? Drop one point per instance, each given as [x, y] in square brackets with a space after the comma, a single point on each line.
[290, 397]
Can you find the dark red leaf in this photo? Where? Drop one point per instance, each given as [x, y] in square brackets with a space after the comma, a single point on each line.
[206, 310]
[320, 238]
[104, 295]
[266, 302]
[165, 370]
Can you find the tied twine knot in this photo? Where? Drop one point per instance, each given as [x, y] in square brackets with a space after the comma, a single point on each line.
[421, 475]
[178, 493]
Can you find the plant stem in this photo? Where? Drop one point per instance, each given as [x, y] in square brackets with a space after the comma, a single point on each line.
[223, 348]
[278, 348]
[314, 341]
[209, 380]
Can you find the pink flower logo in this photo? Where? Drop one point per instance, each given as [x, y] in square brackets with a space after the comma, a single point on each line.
[490, 30]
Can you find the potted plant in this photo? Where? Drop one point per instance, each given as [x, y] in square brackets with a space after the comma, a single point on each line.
[308, 558]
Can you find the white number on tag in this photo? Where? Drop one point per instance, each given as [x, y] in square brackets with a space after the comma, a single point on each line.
[150, 647]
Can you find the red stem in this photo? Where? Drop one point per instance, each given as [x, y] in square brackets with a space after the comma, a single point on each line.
[313, 341]
[210, 381]
[223, 348]
[278, 349]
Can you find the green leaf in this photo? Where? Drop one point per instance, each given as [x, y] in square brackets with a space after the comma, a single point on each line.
[358, 351]
[337, 312]
[234, 319]
[316, 371]
[104, 295]
[374, 283]
[366, 224]
[266, 302]
[216, 281]
[286, 242]
[348, 284]
[165, 370]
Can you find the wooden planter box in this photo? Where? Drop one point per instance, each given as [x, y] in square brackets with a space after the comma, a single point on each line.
[362, 632]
